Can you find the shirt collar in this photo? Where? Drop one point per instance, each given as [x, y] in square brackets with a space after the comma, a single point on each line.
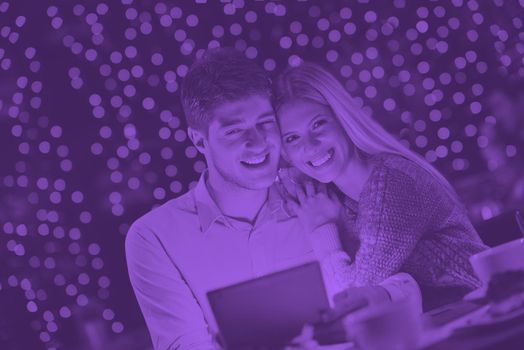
[276, 202]
[209, 212]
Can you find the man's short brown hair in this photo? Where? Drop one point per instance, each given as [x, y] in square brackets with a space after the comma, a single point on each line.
[220, 75]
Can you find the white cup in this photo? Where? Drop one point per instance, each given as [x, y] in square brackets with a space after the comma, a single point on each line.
[396, 326]
[502, 258]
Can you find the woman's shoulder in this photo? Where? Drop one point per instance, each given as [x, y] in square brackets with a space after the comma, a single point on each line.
[402, 181]
[406, 173]
[399, 164]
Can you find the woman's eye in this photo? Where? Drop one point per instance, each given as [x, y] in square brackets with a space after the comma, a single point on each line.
[291, 138]
[318, 123]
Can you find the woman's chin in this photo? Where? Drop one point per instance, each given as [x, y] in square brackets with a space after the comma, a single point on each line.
[320, 176]
[324, 178]
[326, 173]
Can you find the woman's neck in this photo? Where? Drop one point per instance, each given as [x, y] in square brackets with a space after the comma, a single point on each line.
[352, 179]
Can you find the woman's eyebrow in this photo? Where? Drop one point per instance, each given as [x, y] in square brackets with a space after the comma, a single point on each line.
[317, 116]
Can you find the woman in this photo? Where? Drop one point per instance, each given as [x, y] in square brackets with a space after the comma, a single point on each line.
[393, 213]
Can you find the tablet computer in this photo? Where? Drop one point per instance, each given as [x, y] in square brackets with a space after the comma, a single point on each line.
[267, 312]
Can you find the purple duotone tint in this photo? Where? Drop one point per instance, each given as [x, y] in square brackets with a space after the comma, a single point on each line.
[93, 136]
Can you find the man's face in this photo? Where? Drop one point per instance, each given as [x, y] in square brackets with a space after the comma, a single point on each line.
[243, 143]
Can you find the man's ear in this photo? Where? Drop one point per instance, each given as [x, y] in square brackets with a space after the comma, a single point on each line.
[198, 138]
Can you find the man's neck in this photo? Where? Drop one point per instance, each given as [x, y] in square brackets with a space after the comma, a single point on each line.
[235, 201]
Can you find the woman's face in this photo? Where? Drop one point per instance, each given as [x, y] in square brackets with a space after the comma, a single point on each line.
[313, 139]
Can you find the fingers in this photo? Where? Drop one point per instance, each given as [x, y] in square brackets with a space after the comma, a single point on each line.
[285, 180]
[305, 339]
[340, 297]
[329, 315]
[333, 196]
[301, 195]
[308, 331]
[282, 188]
[292, 206]
[310, 188]
[349, 300]
[322, 188]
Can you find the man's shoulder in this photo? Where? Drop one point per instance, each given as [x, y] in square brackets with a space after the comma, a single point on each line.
[162, 230]
[169, 214]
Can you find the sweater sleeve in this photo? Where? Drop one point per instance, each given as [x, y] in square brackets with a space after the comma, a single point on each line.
[334, 261]
[395, 210]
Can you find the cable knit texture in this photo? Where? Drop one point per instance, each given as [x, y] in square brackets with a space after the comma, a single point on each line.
[404, 221]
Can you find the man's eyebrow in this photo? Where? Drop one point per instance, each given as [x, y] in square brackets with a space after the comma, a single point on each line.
[238, 121]
[230, 122]
[267, 114]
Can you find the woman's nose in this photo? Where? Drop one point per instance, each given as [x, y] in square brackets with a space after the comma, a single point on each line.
[311, 144]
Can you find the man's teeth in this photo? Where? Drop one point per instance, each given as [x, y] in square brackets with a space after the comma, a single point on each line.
[255, 161]
[320, 161]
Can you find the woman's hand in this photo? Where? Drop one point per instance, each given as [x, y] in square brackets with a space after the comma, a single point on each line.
[314, 205]
[304, 341]
[356, 299]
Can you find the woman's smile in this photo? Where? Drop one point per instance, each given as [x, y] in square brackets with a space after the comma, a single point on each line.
[313, 139]
[322, 159]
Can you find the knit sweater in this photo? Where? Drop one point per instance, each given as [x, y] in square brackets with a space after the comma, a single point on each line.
[404, 221]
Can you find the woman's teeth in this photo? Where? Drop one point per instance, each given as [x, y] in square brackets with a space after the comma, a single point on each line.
[322, 160]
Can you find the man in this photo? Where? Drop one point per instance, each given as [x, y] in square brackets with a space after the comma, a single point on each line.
[233, 225]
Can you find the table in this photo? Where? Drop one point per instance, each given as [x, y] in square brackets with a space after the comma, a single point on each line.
[440, 331]
[504, 335]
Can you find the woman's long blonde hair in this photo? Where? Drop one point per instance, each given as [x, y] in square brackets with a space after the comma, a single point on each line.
[312, 82]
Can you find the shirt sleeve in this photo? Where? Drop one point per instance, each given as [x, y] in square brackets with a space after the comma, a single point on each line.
[171, 311]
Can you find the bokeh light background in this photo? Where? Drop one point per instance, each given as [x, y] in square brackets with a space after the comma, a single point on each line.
[92, 133]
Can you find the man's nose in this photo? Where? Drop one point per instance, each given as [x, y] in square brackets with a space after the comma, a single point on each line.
[255, 139]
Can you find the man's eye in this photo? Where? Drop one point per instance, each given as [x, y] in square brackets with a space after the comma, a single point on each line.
[291, 138]
[319, 123]
[233, 131]
[268, 123]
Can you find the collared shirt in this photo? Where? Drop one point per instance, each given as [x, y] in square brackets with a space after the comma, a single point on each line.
[187, 247]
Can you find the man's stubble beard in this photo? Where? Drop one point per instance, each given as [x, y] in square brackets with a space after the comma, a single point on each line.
[235, 180]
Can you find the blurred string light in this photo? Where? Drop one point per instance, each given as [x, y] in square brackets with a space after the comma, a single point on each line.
[423, 69]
